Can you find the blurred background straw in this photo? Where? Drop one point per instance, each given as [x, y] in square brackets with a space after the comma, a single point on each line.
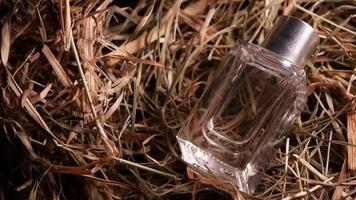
[94, 92]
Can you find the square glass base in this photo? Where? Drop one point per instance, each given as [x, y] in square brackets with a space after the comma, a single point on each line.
[202, 160]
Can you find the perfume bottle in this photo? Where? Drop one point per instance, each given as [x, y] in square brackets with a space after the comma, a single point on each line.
[251, 103]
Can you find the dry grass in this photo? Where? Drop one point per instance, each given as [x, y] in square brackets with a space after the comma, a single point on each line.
[94, 92]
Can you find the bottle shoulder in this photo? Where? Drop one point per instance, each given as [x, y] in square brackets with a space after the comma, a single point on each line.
[264, 59]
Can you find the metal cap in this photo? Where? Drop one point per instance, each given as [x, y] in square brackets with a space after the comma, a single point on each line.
[293, 39]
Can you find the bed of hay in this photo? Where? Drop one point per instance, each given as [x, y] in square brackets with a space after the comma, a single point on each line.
[93, 94]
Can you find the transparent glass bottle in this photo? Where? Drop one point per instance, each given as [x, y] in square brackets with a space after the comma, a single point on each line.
[250, 104]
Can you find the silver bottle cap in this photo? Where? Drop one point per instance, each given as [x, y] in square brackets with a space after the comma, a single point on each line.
[292, 39]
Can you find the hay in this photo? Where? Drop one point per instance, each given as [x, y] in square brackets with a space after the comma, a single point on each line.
[94, 92]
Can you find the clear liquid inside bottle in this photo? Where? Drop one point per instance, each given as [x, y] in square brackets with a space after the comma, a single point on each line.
[247, 108]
